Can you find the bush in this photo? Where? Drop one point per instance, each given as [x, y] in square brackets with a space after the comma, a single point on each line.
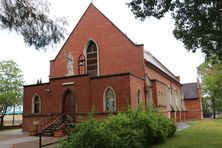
[126, 130]
[88, 134]
[121, 126]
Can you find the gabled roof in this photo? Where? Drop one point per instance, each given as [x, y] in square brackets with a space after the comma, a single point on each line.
[190, 91]
[91, 6]
[152, 60]
[147, 56]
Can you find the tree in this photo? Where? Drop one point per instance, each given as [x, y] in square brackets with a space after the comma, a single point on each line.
[206, 106]
[198, 23]
[11, 84]
[211, 75]
[31, 20]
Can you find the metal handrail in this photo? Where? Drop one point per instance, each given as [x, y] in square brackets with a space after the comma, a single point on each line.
[51, 123]
[43, 121]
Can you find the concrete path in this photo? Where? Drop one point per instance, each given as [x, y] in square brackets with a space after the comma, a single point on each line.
[19, 139]
[182, 125]
[10, 142]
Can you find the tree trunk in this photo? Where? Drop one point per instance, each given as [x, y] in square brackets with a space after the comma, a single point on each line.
[214, 113]
[1, 123]
[214, 108]
[13, 116]
[3, 115]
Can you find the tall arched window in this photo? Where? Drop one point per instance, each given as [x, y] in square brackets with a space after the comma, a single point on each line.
[92, 59]
[109, 99]
[138, 96]
[36, 104]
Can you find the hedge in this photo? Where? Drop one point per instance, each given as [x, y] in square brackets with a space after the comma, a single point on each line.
[126, 130]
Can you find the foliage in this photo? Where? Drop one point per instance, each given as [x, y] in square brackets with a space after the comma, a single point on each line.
[211, 75]
[126, 130]
[201, 134]
[86, 135]
[198, 23]
[31, 20]
[11, 83]
[207, 111]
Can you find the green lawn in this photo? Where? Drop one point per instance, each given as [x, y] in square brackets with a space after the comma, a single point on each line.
[201, 134]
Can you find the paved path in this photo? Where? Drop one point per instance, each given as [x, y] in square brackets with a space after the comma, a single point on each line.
[182, 125]
[10, 142]
[19, 139]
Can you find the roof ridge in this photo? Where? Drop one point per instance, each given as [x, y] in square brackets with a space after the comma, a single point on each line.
[147, 52]
[189, 83]
[92, 5]
[116, 27]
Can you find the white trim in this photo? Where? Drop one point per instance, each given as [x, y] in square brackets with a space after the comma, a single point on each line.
[85, 54]
[104, 95]
[68, 83]
[33, 103]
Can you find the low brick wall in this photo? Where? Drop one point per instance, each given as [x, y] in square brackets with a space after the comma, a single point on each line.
[11, 127]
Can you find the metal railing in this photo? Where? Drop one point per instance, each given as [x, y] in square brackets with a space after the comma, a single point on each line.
[49, 120]
[44, 122]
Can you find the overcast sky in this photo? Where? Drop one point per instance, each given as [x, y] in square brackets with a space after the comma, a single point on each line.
[156, 35]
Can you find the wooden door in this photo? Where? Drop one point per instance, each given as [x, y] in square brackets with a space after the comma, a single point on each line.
[69, 104]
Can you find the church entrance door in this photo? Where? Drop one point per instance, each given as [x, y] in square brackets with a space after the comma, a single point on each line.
[69, 104]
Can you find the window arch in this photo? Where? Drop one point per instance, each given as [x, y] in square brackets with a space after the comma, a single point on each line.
[138, 96]
[109, 99]
[36, 104]
[92, 59]
[82, 64]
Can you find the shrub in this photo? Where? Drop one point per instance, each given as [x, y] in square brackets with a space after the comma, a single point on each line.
[130, 129]
[88, 134]
[121, 126]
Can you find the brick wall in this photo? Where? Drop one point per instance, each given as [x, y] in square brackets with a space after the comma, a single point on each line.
[88, 92]
[135, 85]
[156, 74]
[117, 54]
[29, 93]
[194, 111]
[121, 86]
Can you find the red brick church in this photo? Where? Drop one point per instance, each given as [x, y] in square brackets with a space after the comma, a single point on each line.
[100, 67]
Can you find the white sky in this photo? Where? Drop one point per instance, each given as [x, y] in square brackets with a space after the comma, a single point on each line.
[156, 35]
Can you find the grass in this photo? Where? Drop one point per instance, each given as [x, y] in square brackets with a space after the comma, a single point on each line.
[201, 134]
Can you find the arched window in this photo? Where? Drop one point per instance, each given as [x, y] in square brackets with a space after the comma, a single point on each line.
[109, 99]
[36, 104]
[138, 96]
[82, 64]
[92, 59]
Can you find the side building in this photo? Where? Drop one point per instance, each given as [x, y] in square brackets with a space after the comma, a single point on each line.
[193, 101]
